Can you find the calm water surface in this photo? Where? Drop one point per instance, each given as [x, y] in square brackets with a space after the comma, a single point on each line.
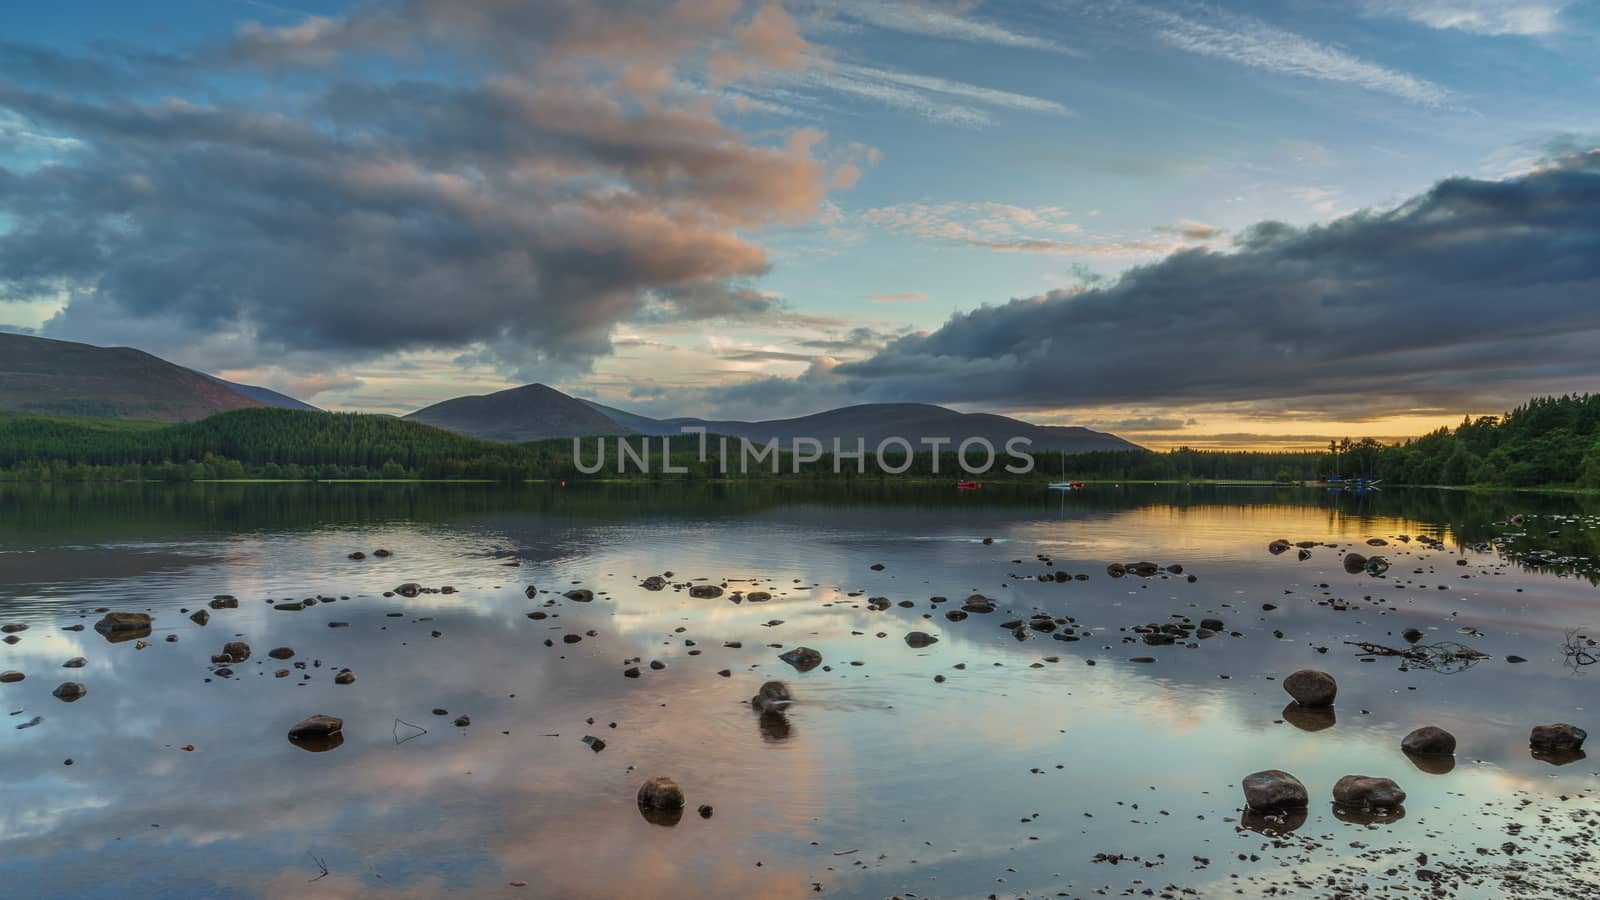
[1037, 767]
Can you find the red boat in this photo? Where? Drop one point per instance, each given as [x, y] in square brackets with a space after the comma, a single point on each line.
[968, 485]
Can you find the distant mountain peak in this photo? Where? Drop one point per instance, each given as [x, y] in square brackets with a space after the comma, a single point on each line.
[527, 413]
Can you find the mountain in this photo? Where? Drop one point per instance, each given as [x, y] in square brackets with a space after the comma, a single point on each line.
[873, 422]
[528, 413]
[536, 411]
[913, 421]
[48, 377]
[263, 395]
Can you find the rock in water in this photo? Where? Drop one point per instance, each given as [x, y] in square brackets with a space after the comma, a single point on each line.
[1279, 546]
[1274, 790]
[281, 652]
[345, 677]
[11, 676]
[978, 603]
[1354, 562]
[773, 697]
[1368, 792]
[653, 583]
[1558, 738]
[123, 621]
[705, 591]
[77, 662]
[70, 691]
[236, 651]
[802, 658]
[920, 639]
[660, 792]
[1429, 740]
[318, 726]
[409, 589]
[579, 595]
[1312, 688]
[200, 617]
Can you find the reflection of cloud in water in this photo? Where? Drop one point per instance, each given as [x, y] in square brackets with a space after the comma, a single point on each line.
[875, 757]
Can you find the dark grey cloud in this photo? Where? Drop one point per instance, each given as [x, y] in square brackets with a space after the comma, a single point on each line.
[520, 212]
[1474, 293]
[1147, 423]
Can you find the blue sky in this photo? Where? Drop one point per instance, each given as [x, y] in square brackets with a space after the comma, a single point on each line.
[715, 207]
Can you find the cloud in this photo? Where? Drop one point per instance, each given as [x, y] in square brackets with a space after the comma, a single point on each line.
[520, 215]
[928, 20]
[900, 297]
[1250, 42]
[936, 99]
[1528, 18]
[1009, 228]
[1472, 295]
[1148, 423]
[1190, 230]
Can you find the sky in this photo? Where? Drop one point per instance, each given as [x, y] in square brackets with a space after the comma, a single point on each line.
[1205, 224]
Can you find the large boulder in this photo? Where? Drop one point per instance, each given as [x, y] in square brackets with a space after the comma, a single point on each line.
[1368, 792]
[123, 621]
[1354, 562]
[920, 639]
[1429, 740]
[653, 583]
[1273, 790]
[1310, 687]
[1278, 547]
[1557, 739]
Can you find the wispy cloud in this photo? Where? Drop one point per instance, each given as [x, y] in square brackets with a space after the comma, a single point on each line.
[1528, 18]
[928, 20]
[933, 98]
[901, 297]
[1008, 228]
[1252, 42]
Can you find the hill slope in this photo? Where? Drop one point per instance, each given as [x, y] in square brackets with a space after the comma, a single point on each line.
[263, 395]
[528, 413]
[48, 377]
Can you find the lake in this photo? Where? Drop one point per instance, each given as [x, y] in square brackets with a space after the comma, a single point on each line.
[995, 762]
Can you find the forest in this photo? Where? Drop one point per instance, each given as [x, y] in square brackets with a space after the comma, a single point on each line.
[1547, 442]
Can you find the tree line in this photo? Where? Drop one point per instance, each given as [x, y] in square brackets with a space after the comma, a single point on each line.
[1551, 441]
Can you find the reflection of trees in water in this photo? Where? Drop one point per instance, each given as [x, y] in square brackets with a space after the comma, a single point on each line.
[1464, 518]
[1446, 657]
[1578, 650]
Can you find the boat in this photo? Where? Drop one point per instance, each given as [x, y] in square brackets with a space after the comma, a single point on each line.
[968, 485]
[1064, 484]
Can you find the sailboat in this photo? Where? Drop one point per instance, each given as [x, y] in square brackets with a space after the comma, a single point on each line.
[1064, 485]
